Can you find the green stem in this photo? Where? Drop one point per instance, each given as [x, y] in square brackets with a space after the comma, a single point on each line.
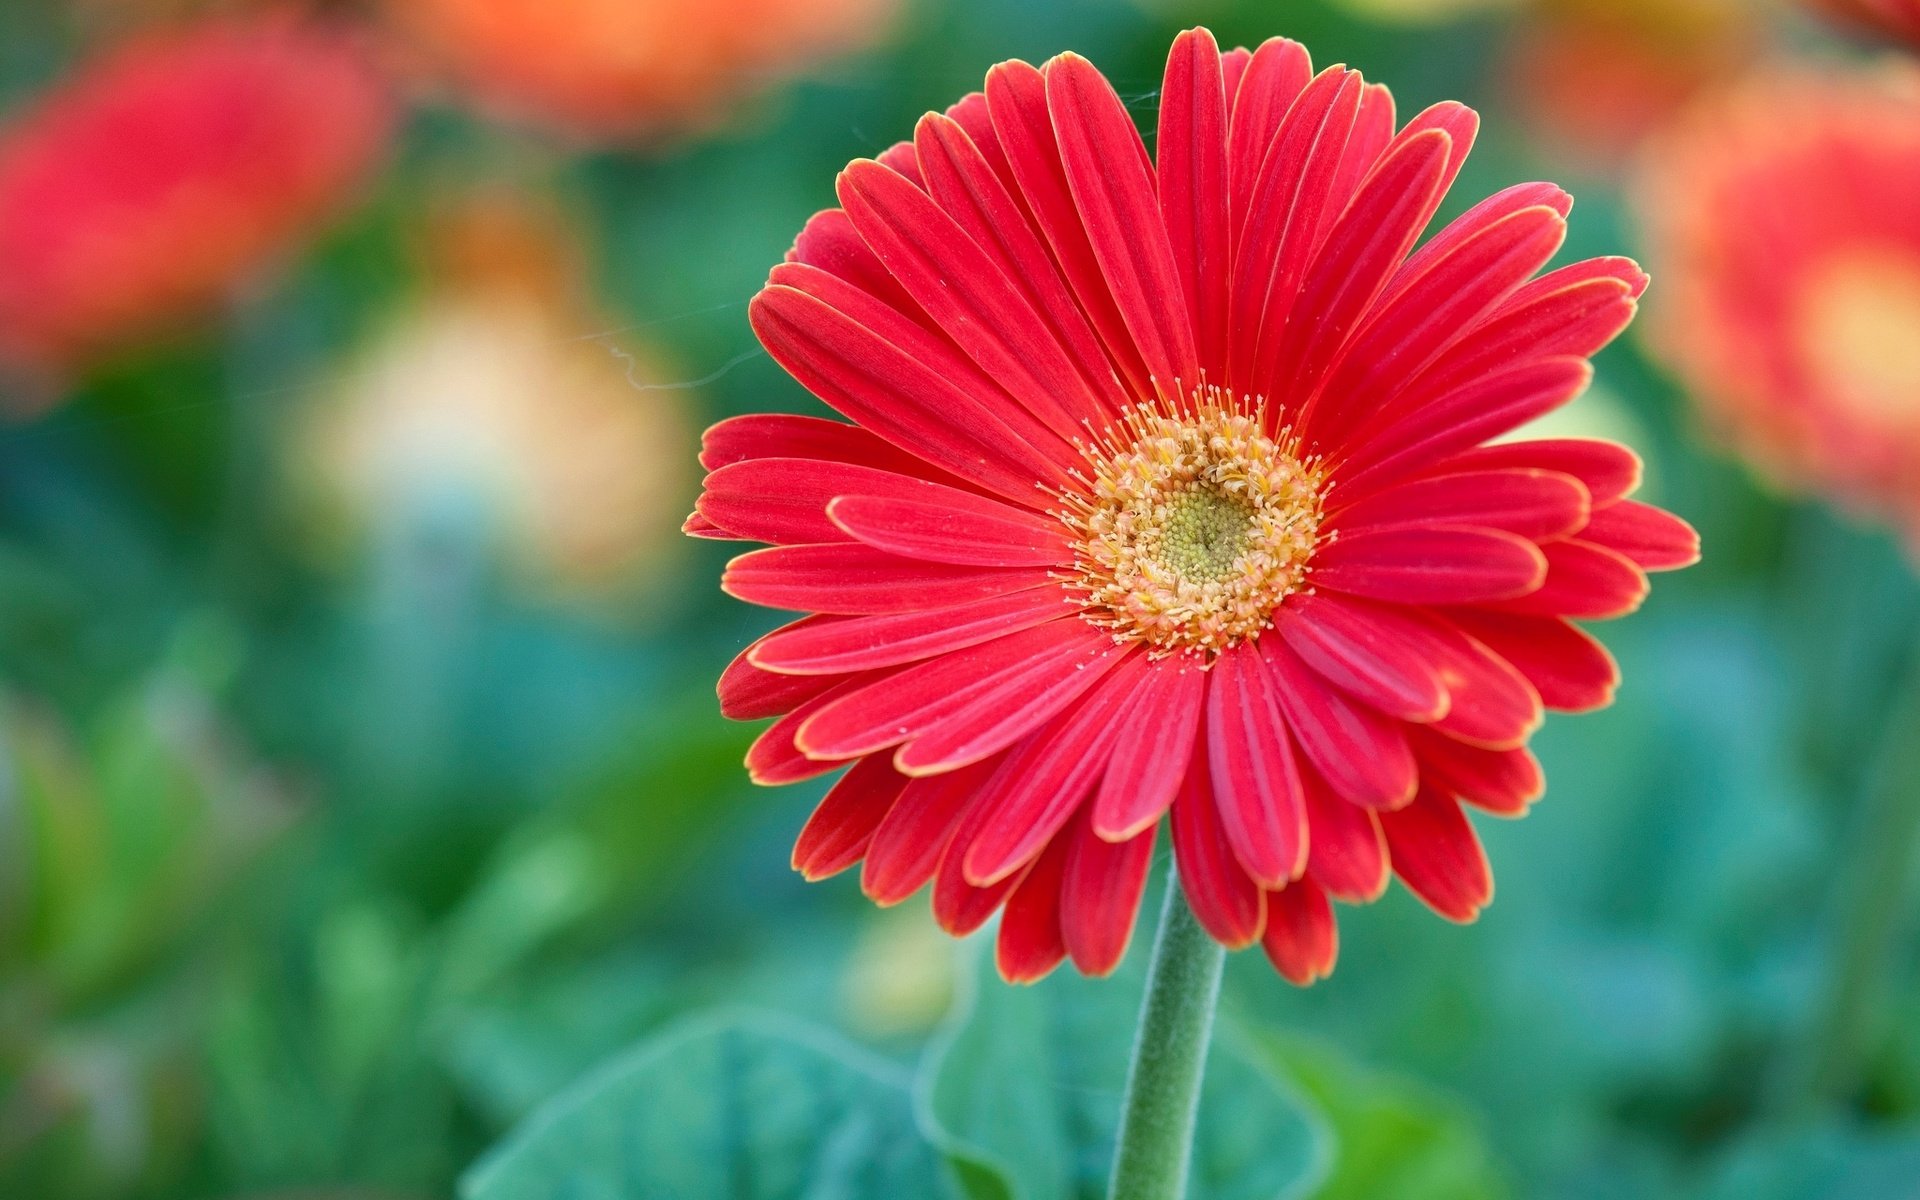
[1876, 882]
[1169, 1057]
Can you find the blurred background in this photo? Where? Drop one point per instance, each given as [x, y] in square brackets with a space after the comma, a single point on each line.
[361, 779]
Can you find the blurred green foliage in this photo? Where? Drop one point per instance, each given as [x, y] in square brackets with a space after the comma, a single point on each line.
[329, 874]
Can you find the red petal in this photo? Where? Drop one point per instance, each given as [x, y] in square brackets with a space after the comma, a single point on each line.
[1101, 895]
[1113, 187]
[954, 528]
[1192, 170]
[1362, 755]
[907, 846]
[998, 674]
[1227, 903]
[1002, 716]
[784, 500]
[1493, 704]
[1436, 854]
[1608, 469]
[1373, 127]
[830, 243]
[1288, 207]
[1570, 669]
[1364, 650]
[958, 906]
[862, 643]
[977, 196]
[1145, 770]
[1301, 938]
[1653, 538]
[836, 836]
[1347, 853]
[1017, 99]
[1538, 505]
[1274, 77]
[966, 293]
[902, 161]
[1502, 782]
[897, 380]
[774, 759]
[786, 435]
[1047, 778]
[1583, 580]
[849, 579]
[1030, 944]
[1251, 763]
[748, 693]
[1430, 565]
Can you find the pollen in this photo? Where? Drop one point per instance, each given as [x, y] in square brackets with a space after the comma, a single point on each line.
[1196, 524]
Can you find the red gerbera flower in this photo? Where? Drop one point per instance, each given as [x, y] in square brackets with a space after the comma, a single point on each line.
[1168, 494]
[1896, 18]
[137, 193]
[1786, 213]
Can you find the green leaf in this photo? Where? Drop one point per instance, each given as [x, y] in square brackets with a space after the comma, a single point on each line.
[1023, 1094]
[745, 1107]
[1392, 1137]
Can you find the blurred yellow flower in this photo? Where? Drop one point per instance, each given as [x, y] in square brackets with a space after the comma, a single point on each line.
[494, 396]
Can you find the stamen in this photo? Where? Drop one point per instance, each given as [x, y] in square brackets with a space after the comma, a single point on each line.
[1198, 524]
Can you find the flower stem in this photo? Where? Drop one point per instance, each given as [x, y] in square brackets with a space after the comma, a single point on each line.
[1876, 884]
[1169, 1057]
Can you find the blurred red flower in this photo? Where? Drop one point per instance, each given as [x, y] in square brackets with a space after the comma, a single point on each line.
[138, 193]
[1167, 492]
[1784, 217]
[616, 68]
[1896, 18]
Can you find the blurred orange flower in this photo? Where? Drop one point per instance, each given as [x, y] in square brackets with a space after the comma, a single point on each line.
[1898, 18]
[138, 193]
[1593, 77]
[1784, 217]
[494, 396]
[617, 68]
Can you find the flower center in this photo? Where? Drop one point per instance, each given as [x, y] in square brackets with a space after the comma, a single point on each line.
[1197, 527]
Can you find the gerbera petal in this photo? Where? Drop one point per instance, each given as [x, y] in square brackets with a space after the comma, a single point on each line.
[1461, 125]
[1373, 128]
[1113, 187]
[1347, 853]
[1608, 470]
[1273, 78]
[1483, 408]
[1436, 854]
[1493, 705]
[1363, 756]
[1541, 506]
[1100, 895]
[1226, 901]
[1289, 204]
[774, 759]
[784, 500]
[1031, 944]
[850, 579]
[954, 528]
[1452, 290]
[906, 848]
[988, 725]
[892, 379]
[958, 906]
[978, 197]
[1367, 651]
[1047, 778]
[1583, 581]
[1501, 782]
[1144, 772]
[1250, 759]
[1571, 670]
[1005, 670]
[789, 435]
[1362, 250]
[698, 526]
[1301, 939]
[1192, 176]
[974, 302]
[1654, 539]
[1017, 99]
[748, 692]
[1434, 564]
[836, 835]
[830, 243]
[901, 159]
[834, 647]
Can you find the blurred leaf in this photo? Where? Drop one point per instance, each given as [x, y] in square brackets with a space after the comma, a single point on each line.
[746, 1107]
[1827, 1164]
[1024, 1094]
[1391, 1138]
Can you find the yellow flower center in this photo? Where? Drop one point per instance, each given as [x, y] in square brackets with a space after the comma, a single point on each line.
[1197, 525]
[1860, 335]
